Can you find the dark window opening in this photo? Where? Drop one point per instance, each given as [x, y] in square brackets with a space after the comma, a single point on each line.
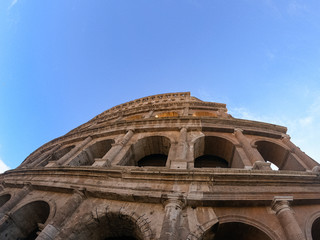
[210, 161]
[121, 238]
[3, 199]
[239, 231]
[315, 229]
[155, 160]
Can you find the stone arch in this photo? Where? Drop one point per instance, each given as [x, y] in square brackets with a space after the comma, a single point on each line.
[4, 198]
[278, 155]
[233, 228]
[312, 227]
[96, 150]
[26, 221]
[204, 231]
[264, 231]
[213, 151]
[57, 155]
[116, 224]
[148, 151]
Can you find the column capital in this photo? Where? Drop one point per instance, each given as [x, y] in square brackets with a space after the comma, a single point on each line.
[281, 203]
[173, 201]
[238, 130]
[81, 192]
[27, 186]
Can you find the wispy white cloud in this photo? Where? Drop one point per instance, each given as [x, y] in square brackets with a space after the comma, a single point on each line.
[303, 129]
[14, 2]
[3, 167]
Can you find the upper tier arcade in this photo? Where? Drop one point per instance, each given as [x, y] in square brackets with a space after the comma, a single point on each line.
[173, 131]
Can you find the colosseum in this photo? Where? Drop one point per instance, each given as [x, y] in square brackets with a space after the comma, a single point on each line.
[168, 167]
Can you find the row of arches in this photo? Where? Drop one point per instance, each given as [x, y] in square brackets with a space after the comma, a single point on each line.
[207, 152]
[29, 220]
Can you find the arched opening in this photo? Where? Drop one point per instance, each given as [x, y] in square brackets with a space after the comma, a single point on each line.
[239, 231]
[213, 152]
[4, 198]
[57, 155]
[148, 151]
[24, 223]
[315, 229]
[155, 160]
[88, 156]
[111, 226]
[278, 156]
[210, 161]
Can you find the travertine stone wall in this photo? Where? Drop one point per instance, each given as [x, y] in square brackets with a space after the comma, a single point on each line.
[168, 166]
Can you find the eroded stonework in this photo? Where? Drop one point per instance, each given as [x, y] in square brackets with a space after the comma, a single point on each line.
[168, 166]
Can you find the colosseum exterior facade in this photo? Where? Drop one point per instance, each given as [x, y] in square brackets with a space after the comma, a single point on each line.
[166, 167]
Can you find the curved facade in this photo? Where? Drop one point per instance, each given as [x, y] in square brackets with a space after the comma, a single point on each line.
[167, 166]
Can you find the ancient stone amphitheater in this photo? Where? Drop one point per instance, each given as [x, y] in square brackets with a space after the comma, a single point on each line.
[168, 166]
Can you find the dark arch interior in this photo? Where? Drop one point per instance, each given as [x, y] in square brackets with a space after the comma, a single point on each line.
[111, 226]
[148, 151]
[315, 229]
[24, 223]
[155, 160]
[239, 231]
[121, 238]
[57, 155]
[96, 150]
[213, 152]
[210, 161]
[272, 153]
[4, 198]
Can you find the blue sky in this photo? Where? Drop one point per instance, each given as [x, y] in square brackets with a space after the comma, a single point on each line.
[62, 62]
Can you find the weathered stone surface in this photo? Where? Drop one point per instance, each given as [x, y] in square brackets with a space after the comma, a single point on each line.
[168, 166]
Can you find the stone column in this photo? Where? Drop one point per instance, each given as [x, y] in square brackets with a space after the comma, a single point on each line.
[286, 218]
[304, 157]
[106, 160]
[44, 156]
[173, 207]
[180, 161]
[14, 200]
[54, 227]
[67, 156]
[252, 153]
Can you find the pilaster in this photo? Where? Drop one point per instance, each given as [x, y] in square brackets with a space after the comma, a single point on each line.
[54, 227]
[15, 199]
[106, 160]
[67, 158]
[286, 217]
[180, 161]
[252, 153]
[307, 161]
[173, 206]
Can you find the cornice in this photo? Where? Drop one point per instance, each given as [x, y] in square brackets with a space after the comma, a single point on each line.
[251, 187]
